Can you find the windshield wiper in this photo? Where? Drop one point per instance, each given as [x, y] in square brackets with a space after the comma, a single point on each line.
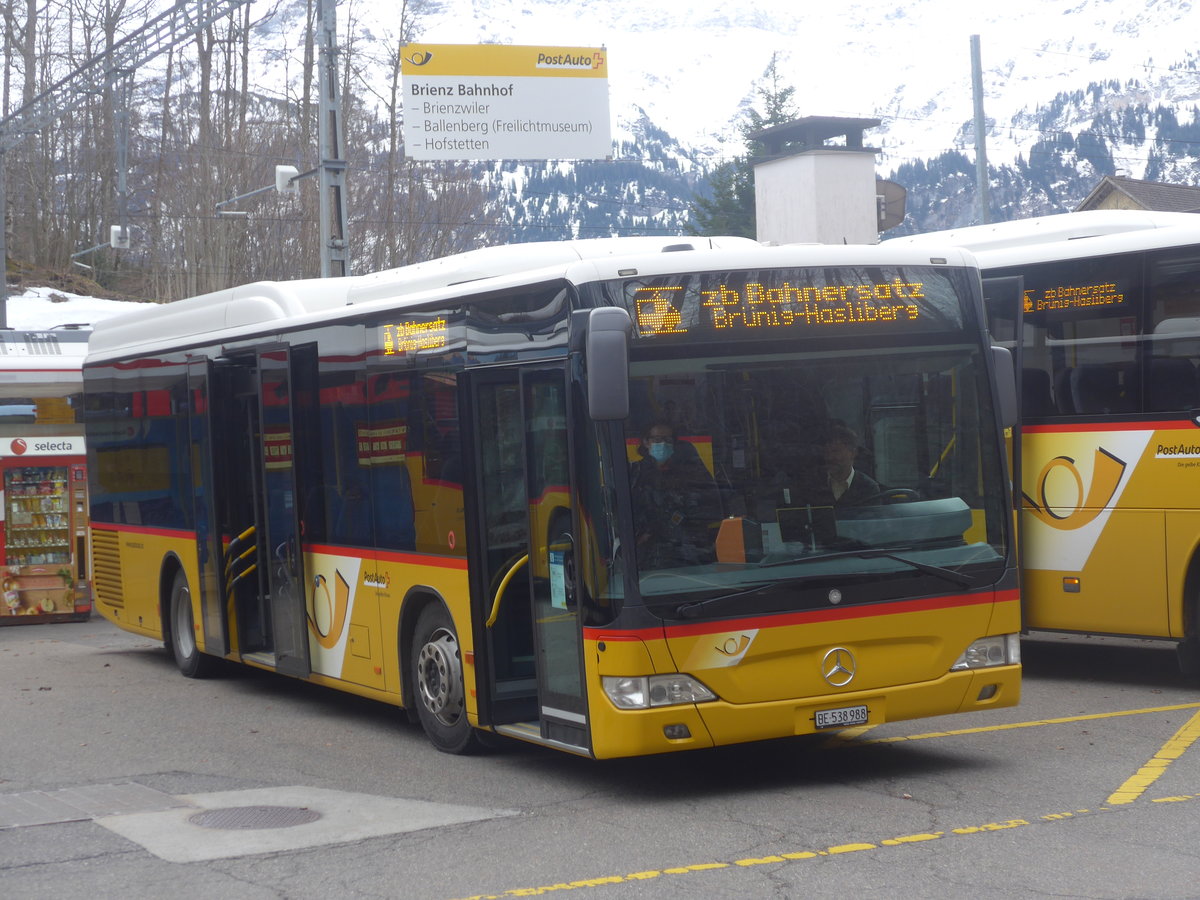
[884, 553]
[692, 609]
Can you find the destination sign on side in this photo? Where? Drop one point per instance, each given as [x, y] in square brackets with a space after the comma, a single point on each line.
[1073, 296]
[402, 338]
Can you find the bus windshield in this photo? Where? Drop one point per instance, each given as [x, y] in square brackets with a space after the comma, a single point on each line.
[770, 481]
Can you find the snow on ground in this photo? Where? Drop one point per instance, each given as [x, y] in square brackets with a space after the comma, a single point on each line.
[43, 308]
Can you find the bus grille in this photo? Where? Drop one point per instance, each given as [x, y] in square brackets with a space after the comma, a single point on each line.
[106, 568]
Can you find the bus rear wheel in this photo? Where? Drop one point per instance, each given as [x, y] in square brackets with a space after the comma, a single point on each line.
[191, 662]
[437, 677]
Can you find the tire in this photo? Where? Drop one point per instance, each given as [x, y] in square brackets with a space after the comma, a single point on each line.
[182, 634]
[439, 695]
[1188, 654]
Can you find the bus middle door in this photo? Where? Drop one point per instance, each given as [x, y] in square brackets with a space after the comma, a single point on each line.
[279, 420]
[533, 624]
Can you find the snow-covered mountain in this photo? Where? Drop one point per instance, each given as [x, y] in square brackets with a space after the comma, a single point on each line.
[1074, 90]
[691, 67]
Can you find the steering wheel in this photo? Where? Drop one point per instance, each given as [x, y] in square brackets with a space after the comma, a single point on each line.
[891, 495]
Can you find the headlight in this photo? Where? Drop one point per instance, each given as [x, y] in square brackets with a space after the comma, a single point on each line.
[645, 691]
[998, 650]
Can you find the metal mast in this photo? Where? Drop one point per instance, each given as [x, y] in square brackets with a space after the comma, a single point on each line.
[335, 260]
[981, 172]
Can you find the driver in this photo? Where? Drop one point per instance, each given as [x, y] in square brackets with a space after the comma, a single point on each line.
[846, 485]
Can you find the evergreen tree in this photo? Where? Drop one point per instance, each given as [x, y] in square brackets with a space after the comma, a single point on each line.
[729, 209]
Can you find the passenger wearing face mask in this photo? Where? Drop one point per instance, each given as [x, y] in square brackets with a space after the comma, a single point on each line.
[677, 507]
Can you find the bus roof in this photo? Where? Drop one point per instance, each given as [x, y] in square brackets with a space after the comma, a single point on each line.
[51, 350]
[266, 305]
[41, 363]
[1046, 229]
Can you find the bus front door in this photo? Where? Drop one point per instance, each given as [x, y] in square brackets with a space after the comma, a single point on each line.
[534, 677]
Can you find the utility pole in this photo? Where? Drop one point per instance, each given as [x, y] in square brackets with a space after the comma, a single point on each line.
[981, 172]
[335, 257]
[121, 92]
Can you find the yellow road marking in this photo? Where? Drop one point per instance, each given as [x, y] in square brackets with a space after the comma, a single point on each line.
[846, 736]
[797, 855]
[1135, 786]
[1130, 791]
[1035, 724]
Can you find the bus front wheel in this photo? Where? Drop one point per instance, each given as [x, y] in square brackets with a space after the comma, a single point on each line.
[188, 657]
[1188, 654]
[437, 676]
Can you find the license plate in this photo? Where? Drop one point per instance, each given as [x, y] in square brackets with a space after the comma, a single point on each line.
[846, 717]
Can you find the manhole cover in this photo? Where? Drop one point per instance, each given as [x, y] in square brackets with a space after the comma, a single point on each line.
[247, 817]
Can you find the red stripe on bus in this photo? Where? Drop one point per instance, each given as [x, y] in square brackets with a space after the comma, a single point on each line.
[41, 371]
[145, 363]
[410, 558]
[144, 529]
[833, 614]
[1161, 425]
[423, 559]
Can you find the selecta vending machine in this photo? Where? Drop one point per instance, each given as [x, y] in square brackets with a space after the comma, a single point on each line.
[43, 534]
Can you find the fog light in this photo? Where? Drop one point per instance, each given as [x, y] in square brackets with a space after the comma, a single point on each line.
[997, 650]
[987, 692]
[676, 732]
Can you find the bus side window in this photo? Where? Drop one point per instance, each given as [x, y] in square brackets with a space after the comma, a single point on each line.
[1171, 375]
[1098, 389]
[1036, 400]
[1062, 392]
[1171, 384]
[388, 445]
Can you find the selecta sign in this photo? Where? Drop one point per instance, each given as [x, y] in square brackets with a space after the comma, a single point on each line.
[497, 101]
[42, 446]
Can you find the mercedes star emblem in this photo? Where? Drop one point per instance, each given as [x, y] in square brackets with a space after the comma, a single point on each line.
[838, 667]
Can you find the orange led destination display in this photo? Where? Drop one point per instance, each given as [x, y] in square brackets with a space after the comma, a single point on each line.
[1073, 296]
[776, 302]
[400, 338]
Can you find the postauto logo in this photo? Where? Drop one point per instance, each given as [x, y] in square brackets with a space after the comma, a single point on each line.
[567, 60]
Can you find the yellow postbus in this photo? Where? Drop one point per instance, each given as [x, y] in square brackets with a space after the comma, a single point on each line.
[1102, 312]
[427, 486]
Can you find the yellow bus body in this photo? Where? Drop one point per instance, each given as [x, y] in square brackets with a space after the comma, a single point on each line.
[1107, 537]
[766, 670]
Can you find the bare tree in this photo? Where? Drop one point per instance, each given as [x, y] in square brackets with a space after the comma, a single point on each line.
[204, 130]
[408, 210]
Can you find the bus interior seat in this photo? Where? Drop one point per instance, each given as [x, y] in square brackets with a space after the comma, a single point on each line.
[1035, 393]
[1097, 390]
[1171, 384]
[1062, 391]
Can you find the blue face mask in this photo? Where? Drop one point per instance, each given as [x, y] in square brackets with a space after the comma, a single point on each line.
[661, 452]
